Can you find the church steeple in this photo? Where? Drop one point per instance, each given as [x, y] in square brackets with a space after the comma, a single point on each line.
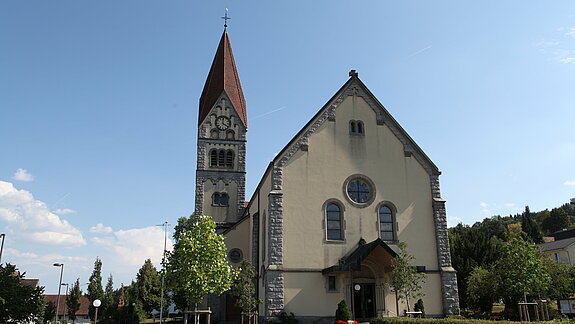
[223, 77]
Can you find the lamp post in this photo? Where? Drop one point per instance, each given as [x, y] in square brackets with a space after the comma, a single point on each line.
[2, 247]
[65, 299]
[96, 304]
[61, 265]
[165, 225]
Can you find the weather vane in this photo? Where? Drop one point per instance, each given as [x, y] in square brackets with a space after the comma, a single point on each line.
[226, 18]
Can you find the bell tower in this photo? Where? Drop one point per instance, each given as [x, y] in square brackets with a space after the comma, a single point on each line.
[222, 127]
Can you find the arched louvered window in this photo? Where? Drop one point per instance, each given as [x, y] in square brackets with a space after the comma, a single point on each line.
[386, 223]
[220, 199]
[229, 158]
[333, 217]
[222, 158]
[214, 158]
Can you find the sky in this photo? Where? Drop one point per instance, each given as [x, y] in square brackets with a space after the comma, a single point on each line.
[99, 103]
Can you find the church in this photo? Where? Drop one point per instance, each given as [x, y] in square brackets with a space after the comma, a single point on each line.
[326, 218]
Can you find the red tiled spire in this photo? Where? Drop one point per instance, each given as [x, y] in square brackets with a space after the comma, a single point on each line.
[223, 76]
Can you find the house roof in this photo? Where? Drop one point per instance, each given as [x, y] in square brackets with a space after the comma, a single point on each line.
[82, 311]
[352, 262]
[563, 234]
[30, 282]
[223, 77]
[556, 245]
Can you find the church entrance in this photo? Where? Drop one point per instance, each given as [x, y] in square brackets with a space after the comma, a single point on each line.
[363, 300]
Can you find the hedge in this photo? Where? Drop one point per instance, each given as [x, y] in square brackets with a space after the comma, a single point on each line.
[409, 320]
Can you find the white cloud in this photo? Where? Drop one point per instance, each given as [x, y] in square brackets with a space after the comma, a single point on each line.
[22, 175]
[569, 183]
[64, 211]
[453, 221]
[570, 32]
[546, 44]
[483, 204]
[134, 246]
[509, 205]
[31, 221]
[101, 229]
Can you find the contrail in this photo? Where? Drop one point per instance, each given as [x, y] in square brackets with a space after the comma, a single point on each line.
[269, 112]
[419, 52]
[59, 200]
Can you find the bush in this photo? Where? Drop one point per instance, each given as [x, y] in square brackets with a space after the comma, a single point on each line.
[450, 320]
[283, 318]
[419, 307]
[342, 312]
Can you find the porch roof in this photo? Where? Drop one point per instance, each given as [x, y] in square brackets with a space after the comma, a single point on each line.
[352, 262]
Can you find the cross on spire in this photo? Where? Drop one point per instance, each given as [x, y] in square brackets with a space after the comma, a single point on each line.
[226, 18]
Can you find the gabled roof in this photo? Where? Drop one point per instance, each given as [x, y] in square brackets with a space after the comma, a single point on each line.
[354, 84]
[352, 262]
[223, 77]
[556, 245]
[62, 311]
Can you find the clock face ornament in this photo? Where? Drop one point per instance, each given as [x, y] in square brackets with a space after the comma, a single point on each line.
[223, 122]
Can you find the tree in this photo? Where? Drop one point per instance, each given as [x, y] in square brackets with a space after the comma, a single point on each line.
[198, 264]
[108, 300]
[482, 289]
[531, 228]
[149, 286]
[557, 220]
[244, 289]
[18, 302]
[95, 290]
[562, 279]
[342, 312]
[73, 300]
[49, 312]
[522, 272]
[406, 280]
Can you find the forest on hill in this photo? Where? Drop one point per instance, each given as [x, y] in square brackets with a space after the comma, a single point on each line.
[478, 250]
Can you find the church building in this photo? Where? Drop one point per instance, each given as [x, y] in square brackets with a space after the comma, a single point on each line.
[326, 218]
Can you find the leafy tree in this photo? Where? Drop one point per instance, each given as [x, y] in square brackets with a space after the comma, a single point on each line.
[522, 272]
[198, 266]
[562, 279]
[530, 227]
[482, 289]
[149, 286]
[557, 220]
[406, 280]
[18, 302]
[95, 290]
[73, 300]
[514, 231]
[342, 312]
[108, 302]
[49, 312]
[244, 289]
[419, 307]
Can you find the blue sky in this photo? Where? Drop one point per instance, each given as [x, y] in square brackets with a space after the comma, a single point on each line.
[99, 99]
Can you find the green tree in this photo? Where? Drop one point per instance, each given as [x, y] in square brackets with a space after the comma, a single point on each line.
[482, 289]
[530, 227]
[419, 307]
[406, 280]
[73, 300]
[557, 220]
[562, 279]
[108, 302]
[198, 264]
[49, 312]
[95, 290]
[522, 272]
[18, 302]
[342, 312]
[149, 286]
[244, 288]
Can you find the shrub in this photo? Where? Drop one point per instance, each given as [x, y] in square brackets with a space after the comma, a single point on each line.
[342, 312]
[419, 307]
[283, 318]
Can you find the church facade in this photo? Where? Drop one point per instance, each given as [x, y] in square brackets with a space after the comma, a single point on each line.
[326, 218]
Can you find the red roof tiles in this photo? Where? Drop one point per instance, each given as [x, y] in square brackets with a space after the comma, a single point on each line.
[223, 76]
[82, 311]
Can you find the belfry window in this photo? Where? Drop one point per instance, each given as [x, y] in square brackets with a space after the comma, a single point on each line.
[334, 222]
[356, 127]
[222, 158]
[220, 199]
[386, 223]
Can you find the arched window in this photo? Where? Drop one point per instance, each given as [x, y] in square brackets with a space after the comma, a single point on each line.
[386, 223]
[214, 158]
[230, 134]
[220, 199]
[214, 133]
[352, 128]
[359, 127]
[229, 158]
[356, 127]
[334, 221]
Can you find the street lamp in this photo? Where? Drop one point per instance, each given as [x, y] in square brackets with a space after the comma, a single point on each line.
[65, 299]
[165, 225]
[2, 247]
[96, 304]
[61, 265]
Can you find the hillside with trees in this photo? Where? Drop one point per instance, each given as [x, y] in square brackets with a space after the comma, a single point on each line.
[500, 252]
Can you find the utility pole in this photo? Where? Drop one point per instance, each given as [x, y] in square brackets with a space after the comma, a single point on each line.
[165, 225]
